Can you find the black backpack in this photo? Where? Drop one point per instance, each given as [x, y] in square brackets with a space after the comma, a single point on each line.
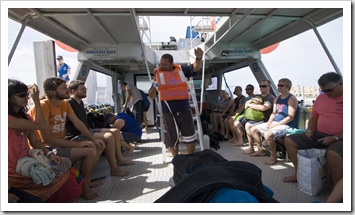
[186, 164]
[203, 183]
[214, 140]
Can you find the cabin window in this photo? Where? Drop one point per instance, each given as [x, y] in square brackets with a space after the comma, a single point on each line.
[99, 89]
[212, 83]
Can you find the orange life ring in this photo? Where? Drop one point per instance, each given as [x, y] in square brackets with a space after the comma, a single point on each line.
[269, 49]
[65, 47]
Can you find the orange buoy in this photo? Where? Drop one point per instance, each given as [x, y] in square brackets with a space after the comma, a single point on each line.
[65, 47]
[269, 49]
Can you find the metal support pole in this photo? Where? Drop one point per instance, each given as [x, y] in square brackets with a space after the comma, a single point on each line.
[17, 40]
[324, 47]
[203, 77]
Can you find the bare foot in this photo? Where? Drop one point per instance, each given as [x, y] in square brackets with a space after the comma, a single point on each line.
[248, 151]
[290, 178]
[89, 194]
[270, 162]
[119, 172]
[233, 139]
[96, 183]
[237, 143]
[125, 163]
[257, 153]
[129, 152]
[228, 137]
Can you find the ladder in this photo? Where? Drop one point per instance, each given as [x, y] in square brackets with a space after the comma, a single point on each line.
[196, 118]
[197, 114]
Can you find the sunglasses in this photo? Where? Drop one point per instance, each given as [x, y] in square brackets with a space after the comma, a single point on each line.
[280, 85]
[22, 95]
[263, 86]
[248, 89]
[328, 90]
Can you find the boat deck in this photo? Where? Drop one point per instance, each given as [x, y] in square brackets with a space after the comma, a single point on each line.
[149, 176]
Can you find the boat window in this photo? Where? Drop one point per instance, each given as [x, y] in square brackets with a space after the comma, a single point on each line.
[143, 82]
[210, 83]
[240, 77]
[99, 89]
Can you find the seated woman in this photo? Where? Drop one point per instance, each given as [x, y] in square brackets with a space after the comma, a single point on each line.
[218, 107]
[227, 108]
[21, 131]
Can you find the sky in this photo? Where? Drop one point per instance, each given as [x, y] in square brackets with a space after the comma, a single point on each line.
[300, 58]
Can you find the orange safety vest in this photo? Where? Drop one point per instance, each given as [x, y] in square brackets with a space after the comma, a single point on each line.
[172, 84]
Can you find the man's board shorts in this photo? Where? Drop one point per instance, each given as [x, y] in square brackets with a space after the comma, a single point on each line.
[184, 124]
[304, 142]
[130, 137]
[66, 151]
[277, 131]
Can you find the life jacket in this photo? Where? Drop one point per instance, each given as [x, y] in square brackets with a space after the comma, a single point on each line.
[172, 84]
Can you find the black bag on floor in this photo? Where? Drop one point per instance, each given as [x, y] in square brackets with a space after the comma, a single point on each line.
[186, 164]
[214, 140]
[205, 182]
[205, 129]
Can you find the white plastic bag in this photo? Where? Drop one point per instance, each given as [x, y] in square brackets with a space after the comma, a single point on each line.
[312, 174]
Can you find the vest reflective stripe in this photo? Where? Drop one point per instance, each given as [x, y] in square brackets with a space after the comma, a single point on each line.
[172, 84]
[161, 76]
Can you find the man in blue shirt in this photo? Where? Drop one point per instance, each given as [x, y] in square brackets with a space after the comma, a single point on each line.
[130, 130]
[63, 69]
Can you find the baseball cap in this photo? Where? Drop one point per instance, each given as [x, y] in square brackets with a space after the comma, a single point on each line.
[59, 57]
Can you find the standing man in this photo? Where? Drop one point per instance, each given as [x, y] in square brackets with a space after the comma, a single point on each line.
[110, 136]
[325, 128]
[56, 110]
[174, 96]
[145, 110]
[132, 92]
[63, 69]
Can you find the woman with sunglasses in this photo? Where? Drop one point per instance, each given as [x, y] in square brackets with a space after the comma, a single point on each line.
[22, 137]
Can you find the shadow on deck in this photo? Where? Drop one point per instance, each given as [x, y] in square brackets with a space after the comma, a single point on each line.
[149, 176]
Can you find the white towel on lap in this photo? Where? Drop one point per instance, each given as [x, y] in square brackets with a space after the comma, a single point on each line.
[32, 168]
